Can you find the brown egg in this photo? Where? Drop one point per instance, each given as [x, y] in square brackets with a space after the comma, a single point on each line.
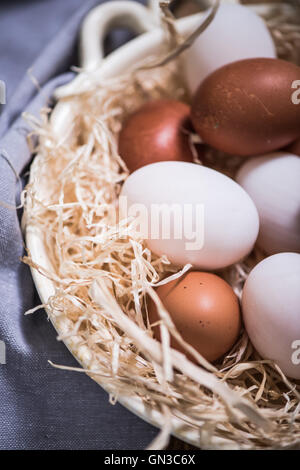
[294, 148]
[204, 309]
[156, 132]
[245, 108]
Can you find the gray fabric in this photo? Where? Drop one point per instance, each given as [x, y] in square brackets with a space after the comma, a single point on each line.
[42, 407]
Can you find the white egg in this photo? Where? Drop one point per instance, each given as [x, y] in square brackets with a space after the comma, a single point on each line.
[272, 181]
[271, 310]
[191, 213]
[235, 33]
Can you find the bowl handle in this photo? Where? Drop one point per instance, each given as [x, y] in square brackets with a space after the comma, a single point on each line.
[94, 28]
[101, 19]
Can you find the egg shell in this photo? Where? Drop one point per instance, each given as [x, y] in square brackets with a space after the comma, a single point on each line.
[200, 206]
[294, 148]
[245, 108]
[158, 131]
[272, 181]
[271, 310]
[205, 311]
[235, 33]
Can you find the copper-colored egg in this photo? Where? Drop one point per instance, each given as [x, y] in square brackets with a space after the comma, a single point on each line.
[245, 108]
[204, 309]
[158, 131]
[294, 148]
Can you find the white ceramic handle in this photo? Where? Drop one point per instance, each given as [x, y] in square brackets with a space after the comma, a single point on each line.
[94, 28]
[99, 20]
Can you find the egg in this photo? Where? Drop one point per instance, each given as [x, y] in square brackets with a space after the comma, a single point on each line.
[272, 181]
[271, 310]
[205, 311]
[157, 131]
[190, 213]
[245, 108]
[294, 148]
[235, 33]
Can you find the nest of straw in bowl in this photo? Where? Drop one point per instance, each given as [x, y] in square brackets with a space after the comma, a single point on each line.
[103, 272]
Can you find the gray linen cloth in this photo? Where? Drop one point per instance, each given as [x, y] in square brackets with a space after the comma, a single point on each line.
[42, 407]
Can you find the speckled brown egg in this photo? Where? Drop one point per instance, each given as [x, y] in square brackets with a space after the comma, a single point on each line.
[204, 309]
[158, 131]
[245, 108]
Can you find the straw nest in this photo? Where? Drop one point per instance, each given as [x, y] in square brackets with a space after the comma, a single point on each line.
[102, 274]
